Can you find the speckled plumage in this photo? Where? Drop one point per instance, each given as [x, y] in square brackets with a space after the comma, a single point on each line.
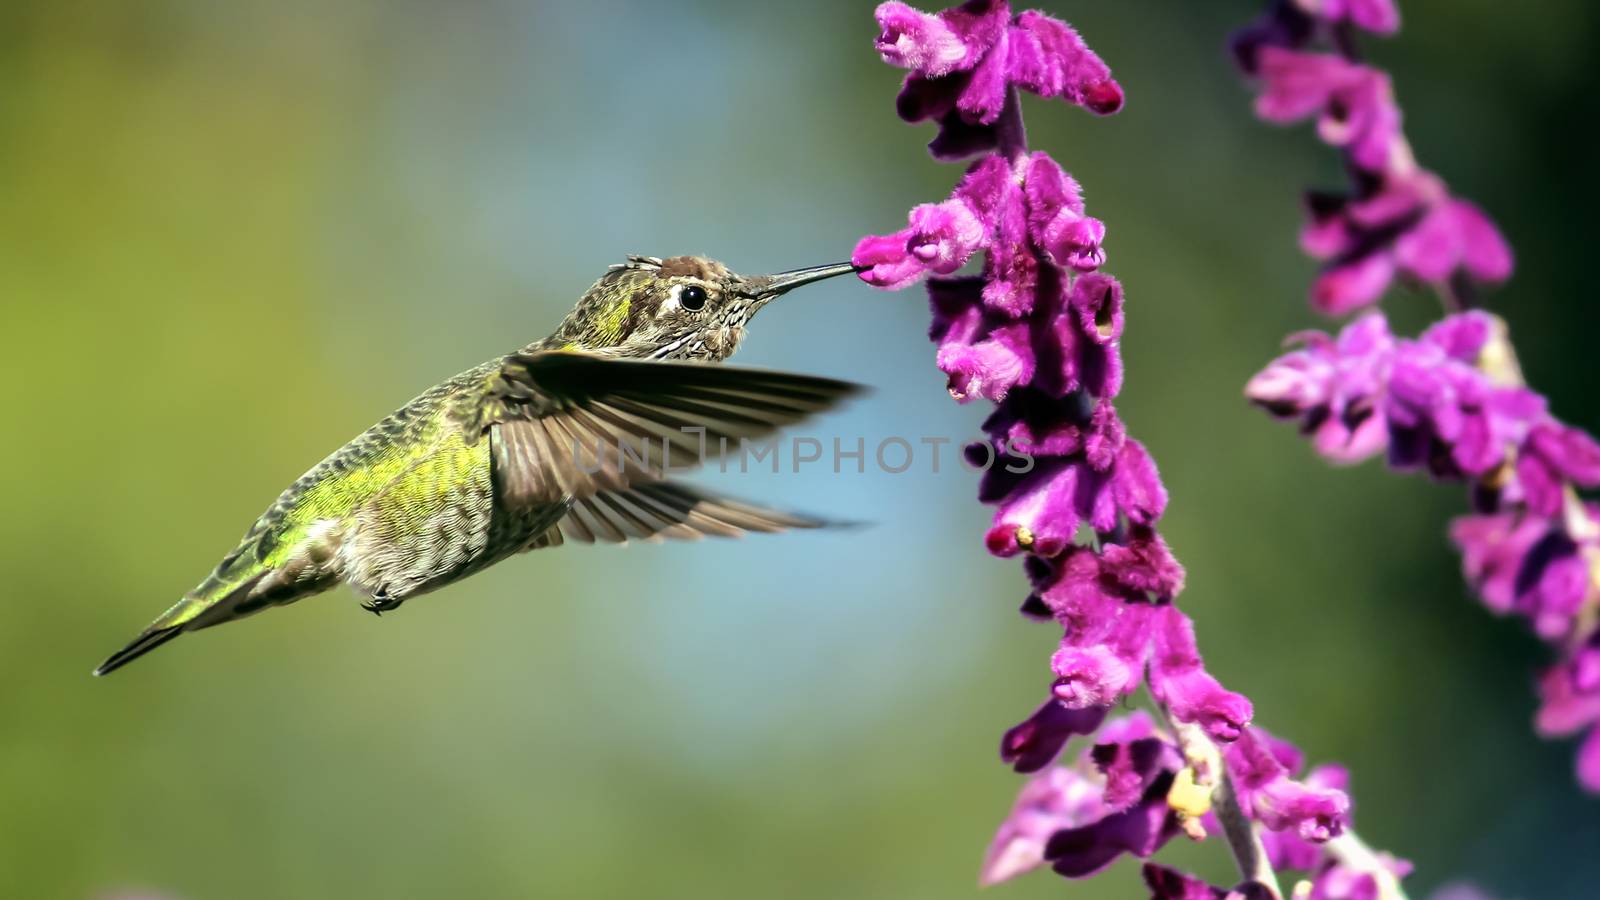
[448, 484]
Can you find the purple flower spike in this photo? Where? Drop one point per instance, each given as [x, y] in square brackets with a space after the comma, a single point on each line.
[1178, 679]
[1038, 334]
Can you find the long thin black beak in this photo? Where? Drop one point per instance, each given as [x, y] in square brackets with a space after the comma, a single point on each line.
[765, 287]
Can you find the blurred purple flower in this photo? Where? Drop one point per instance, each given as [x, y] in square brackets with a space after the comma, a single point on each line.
[1451, 401]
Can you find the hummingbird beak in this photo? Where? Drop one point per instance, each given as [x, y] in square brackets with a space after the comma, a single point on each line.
[766, 287]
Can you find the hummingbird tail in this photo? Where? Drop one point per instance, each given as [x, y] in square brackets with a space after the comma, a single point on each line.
[148, 640]
[213, 602]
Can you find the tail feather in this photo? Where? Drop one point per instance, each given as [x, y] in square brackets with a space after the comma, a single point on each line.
[150, 639]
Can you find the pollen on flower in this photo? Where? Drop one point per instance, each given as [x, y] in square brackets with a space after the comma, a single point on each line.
[1187, 797]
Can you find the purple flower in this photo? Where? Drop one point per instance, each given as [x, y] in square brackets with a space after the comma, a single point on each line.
[1036, 742]
[1048, 58]
[1431, 402]
[1336, 881]
[1378, 16]
[920, 42]
[1280, 803]
[1056, 219]
[1333, 387]
[1404, 222]
[1553, 455]
[1292, 24]
[1571, 705]
[1037, 333]
[1111, 800]
[964, 59]
[1170, 884]
[1178, 679]
[1354, 104]
[1052, 800]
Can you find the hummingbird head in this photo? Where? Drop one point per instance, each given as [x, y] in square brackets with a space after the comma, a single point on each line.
[683, 307]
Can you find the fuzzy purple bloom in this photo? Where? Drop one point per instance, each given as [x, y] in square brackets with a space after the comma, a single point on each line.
[1038, 334]
[1109, 801]
[1179, 680]
[1452, 401]
[964, 60]
[1312, 813]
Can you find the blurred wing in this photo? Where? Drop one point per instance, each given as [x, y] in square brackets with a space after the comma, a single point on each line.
[652, 511]
[567, 426]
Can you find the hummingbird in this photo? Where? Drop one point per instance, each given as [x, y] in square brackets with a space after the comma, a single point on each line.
[516, 454]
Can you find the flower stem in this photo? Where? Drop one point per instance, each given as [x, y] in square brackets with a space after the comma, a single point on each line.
[1244, 841]
[1012, 134]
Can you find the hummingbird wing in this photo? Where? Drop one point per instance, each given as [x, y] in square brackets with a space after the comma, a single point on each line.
[567, 426]
[651, 511]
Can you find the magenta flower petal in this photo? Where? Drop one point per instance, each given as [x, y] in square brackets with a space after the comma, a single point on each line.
[1298, 85]
[1096, 300]
[1568, 452]
[991, 367]
[1143, 564]
[1139, 831]
[1040, 516]
[1178, 678]
[889, 265]
[1488, 256]
[1052, 800]
[1054, 61]
[1348, 286]
[1091, 677]
[1036, 742]
[1377, 16]
[1105, 437]
[945, 235]
[1462, 337]
[1315, 814]
[915, 40]
[1137, 486]
[1049, 192]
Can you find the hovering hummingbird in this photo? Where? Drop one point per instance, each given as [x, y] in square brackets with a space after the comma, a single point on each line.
[497, 460]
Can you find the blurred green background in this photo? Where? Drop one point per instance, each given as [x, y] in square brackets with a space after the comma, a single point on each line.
[232, 235]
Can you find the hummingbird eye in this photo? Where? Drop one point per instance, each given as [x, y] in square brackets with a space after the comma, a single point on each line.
[692, 297]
